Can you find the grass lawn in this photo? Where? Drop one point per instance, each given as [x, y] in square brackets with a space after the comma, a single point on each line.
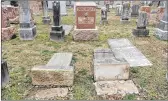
[21, 56]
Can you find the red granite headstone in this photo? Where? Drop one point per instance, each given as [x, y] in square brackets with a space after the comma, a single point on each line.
[146, 9]
[85, 15]
[160, 13]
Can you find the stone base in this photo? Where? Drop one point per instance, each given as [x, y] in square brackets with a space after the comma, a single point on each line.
[7, 33]
[4, 74]
[46, 20]
[108, 66]
[27, 33]
[140, 32]
[52, 75]
[160, 34]
[57, 34]
[85, 34]
[117, 87]
[104, 22]
[124, 21]
[134, 15]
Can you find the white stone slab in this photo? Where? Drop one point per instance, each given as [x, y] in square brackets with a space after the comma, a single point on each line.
[67, 28]
[60, 59]
[125, 49]
[115, 87]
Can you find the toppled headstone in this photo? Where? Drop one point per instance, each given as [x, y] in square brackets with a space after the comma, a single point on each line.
[125, 13]
[108, 66]
[58, 71]
[46, 17]
[27, 30]
[57, 32]
[85, 28]
[115, 87]
[161, 31]
[50, 94]
[130, 53]
[135, 10]
[4, 73]
[103, 16]
[141, 25]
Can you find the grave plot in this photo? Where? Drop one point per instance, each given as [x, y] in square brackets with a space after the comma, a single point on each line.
[58, 72]
[133, 56]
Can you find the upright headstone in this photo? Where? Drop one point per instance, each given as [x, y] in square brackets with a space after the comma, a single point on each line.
[103, 15]
[63, 8]
[27, 29]
[141, 25]
[146, 9]
[107, 3]
[85, 28]
[4, 73]
[125, 13]
[57, 32]
[160, 13]
[161, 31]
[135, 10]
[46, 17]
[35, 6]
[118, 10]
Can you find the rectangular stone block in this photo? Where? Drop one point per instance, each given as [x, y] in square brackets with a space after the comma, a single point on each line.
[27, 33]
[52, 75]
[85, 34]
[108, 66]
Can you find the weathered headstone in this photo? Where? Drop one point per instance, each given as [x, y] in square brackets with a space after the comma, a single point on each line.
[63, 8]
[58, 71]
[103, 16]
[160, 13]
[135, 10]
[27, 29]
[125, 13]
[85, 28]
[107, 4]
[141, 25]
[46, 17]
[57, 32]
[161, 31]
[35, 6]
[146, 9]
[118, 10]
[4, 73]
[108, 66]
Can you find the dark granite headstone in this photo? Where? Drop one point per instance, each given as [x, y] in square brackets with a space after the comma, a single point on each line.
[57, 32]
[103, 15]
[141, 25]
[107, 7]
[4, 73]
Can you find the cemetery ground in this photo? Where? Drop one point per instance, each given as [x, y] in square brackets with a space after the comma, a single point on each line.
[23, 55]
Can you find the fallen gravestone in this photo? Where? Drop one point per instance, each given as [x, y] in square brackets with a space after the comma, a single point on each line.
[103, 16]
[57, 32]
[125, 49]
[27, 29]
[58, 71]
[161, 31]
[46, 17]
[141, 25]
[4, 73]
[125, 13]
[85, 28]
[108, 66]
[115, 87]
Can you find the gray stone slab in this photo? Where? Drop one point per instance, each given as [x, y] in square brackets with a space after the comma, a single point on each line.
[125, 49]
[109, 67]
[115, 87]
[67, 28]
[60, 59]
